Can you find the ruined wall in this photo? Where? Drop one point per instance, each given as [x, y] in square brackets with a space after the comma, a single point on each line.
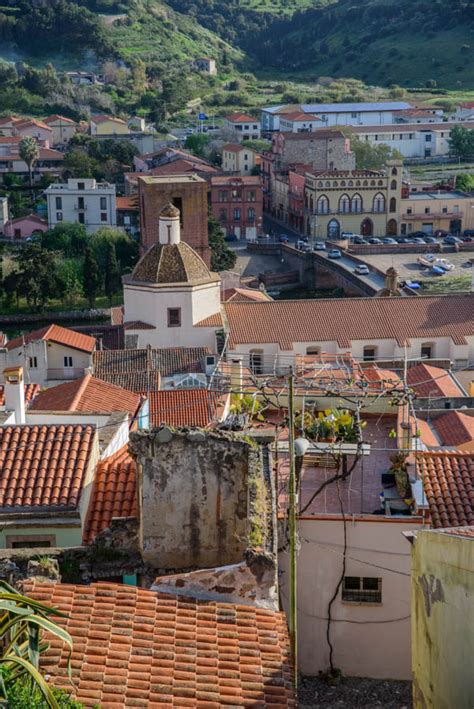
[203, 498]
[442, 621]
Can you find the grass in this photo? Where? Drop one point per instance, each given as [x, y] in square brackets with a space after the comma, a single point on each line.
[447, 284]
[57, 306]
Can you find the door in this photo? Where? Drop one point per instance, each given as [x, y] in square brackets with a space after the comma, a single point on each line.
[391, 227]
[455, 226]
[367, 228]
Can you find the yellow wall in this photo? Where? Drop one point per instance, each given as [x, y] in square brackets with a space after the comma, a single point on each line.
[461, 208]
[69, 536]
[111, 127]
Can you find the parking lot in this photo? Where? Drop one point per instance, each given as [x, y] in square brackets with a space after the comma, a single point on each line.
[409, 269]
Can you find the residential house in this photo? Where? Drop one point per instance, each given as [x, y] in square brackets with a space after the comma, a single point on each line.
[35, 129]
[82, 201]
[7, 125]
[24, 227]
[464, 112]
[87, 78]
[108, 125]
[206, 65]
[237, 203]
[242, 126]
[128, 215]
[420, 115]
[366, 202]
[137, 124]
[51, 354]
[299, 122]
[63, 128]
[49, 162]
[336, 114]
[451, 212]
[442, 577]
[238, 159]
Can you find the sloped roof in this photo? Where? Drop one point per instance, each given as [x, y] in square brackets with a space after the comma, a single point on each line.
[167, 361]
[426, 380]
[455, 428]
[240, 118]
[103, 119]
[56, 117]
[170, 263]
[43, 467]
[183, 407]
[448, 480]
[87, 394]
[346, 319]
[114, 493]
[58, 334]
[244, 295]
[134, 647]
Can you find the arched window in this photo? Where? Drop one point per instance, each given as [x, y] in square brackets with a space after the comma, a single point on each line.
[343, 183]
[366, 183]
[328, 184]
[356, 203]
[320, 184]
[380, 183]
[370, 353]
[394, 171]
[350, 183]
[357, 183]
[256, 361]
[191, 382]
[372, 183]
[393, 204]
[335, 184]
[344, 204]
[379, 203]
[322, 205]
[334, 229]
[393, 185]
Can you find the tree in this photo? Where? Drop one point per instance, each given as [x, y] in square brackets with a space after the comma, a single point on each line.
[371, 157]
[112, 273]
[91, 280]
[66, 237]
[38, 277]
[222, 258]
[29, 152]
[78, 164]
[197, 144]
[21, 621]
[461, 142]
[465, 182]
[126, 248]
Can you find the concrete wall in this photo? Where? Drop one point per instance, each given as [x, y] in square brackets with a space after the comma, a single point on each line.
[197, 496]
[443, 619]
[65, 535]
[370, 640]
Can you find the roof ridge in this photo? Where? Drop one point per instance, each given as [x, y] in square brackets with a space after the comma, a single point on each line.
[81, 390]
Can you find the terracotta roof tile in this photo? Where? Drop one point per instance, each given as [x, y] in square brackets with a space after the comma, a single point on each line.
[467, 532]
[134, 381]
[184, 664]
[426, 380]
[116, 315]
[55, 333]
[31, 390]
[214, 320]
[55, 118]
[240, 118]
[43, 467]
[87, 393]
[455, 428]
[448, 480]
[183, 407]
[114, 493]
[346, 319]
[245, 295]
[129, 203]
[167, 361]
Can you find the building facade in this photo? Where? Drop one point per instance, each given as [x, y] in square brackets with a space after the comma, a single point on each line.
[63, 128]
[237, 204]
[322, 149]
[188, 193]
[238, 159]
[82, 201]
[299, 122]
[452, 212]
[206, 65]
[242, 127]
[108, 125]
[365, 202]
[413, 140]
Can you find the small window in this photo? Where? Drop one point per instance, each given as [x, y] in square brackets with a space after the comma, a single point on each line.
[370, 353]
[103, 216]
[59, 202]
[313, 351]
[236, 215]
[427, 351]
[81, 218]
[103, 202]
[67, 361]
[445, 210]
[428, 138]
[80, 202]
[409, 210]
[33, 362]
[174, 317]
[81, 185]
[427, 210]
[59, 216]
[362, 589]
[256, 361]
[251, 214]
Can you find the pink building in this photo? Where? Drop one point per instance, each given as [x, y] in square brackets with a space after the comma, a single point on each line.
[296, 182]
[23, 227]
[35, 129]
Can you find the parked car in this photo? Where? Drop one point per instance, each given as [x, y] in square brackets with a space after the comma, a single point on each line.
[230, 237]
[430, 240]
[417, 240]
[389, 240]
[418, 234]
[348, 235]
[334, 253]
[319, 246]
[362, 270]
[283, 239]
[360, 240]
[374, 241]
[451, 240]
[468, 232]
[467, 238]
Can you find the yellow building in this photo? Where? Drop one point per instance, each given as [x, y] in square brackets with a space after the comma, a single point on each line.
[365, 202]
[108, 125]
[238, 159]
[452, 212]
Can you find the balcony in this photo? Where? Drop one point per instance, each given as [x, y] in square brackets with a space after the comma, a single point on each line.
[65, 373]
[77, 208]
[432, 215]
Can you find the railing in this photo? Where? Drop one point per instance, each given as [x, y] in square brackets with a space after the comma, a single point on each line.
[65, 373]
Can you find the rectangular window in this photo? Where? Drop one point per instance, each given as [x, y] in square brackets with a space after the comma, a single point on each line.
[174, 317]
[30, 541]
[81, 186]
[223, 215]
[362, 589]
[251, 214]
[426, 352]
[409, 210]
[33, 362]
[428, 138]
[81, 218]
[59, 216]
[80, 202]
[236, 196]
[353, 115]
[427, 210]
[237, 215]
[103, 202]
[222, 196]
[59, 202]
[67, 361]
[251, 196]
[369, 354]
[445, 210]
[103, 216]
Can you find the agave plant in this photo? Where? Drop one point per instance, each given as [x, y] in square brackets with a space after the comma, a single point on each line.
[21, 621]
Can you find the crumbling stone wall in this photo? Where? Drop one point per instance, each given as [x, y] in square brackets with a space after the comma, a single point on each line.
[203, 497]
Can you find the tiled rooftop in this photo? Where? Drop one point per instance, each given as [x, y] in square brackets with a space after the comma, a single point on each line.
[427, 381]
[31, 390]
[170, 263]
[43, 467]
[87, 394]
[114, 493]
[448, 480]
[55, 333]
[167, 361]
[137, 648]
[455, 429]
[183, 407]
[346, 319]
[467, 532]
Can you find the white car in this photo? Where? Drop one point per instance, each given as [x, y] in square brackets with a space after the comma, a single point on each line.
[362, 270]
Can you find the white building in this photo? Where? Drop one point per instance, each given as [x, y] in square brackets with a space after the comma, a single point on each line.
[299, 122]
[207, 65]
[242, 126]
[82, 201]
[337, 114]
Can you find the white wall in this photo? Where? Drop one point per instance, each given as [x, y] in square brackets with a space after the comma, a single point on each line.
[370, 640]
[93, 210]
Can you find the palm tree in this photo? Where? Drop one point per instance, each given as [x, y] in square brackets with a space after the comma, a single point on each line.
[29, 152]
[21, 621]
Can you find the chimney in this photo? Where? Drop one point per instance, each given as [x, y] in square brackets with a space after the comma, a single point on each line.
[14, 389]
[169, 226]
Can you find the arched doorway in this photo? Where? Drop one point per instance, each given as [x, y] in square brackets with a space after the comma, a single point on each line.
[367, 228]
[334, 229]
[392, 227]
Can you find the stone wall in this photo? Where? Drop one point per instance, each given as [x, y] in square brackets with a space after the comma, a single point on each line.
[203, 498]
[320, 153]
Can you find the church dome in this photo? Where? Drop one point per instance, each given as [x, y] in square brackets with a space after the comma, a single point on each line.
[171, 263]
